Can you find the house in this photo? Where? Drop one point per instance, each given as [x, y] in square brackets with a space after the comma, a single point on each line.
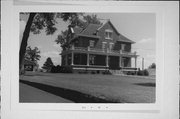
[30, 65]
[98, 47]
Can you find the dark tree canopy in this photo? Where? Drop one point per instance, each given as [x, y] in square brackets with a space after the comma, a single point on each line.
[32, 54]
[48, 64]
[48, 21]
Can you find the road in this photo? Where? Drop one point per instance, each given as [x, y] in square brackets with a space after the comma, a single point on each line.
[84, 88]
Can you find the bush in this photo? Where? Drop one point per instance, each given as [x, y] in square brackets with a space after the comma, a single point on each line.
[61, 69]
[143, 73]
[107, 72]
[140, 73]
[130, 73]
[53, 69]
[66, 69]
[146, 73]
[93, 72]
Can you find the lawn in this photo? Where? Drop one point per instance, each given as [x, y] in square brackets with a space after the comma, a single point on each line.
[111, 88]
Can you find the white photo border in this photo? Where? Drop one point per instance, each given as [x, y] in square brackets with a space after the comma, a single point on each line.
[163, 52]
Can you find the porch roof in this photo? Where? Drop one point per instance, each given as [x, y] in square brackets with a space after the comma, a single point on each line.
[83, 35]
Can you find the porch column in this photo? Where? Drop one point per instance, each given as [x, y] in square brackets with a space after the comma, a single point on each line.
[107, 61]
[135, 62]
[120, 61]
[72, 58]
[88, 59]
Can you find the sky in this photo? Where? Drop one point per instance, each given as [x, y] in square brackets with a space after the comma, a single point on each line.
[138, 27]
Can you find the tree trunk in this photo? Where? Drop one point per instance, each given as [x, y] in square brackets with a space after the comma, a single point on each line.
[25, 40]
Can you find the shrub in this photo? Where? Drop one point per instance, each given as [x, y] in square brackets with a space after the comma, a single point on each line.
[93, 72]
[61, 69]
[130, 73]
[143, 73]
[66, 69]
[53, 69]
[98, 71]
[146, 73]
[107, 72]
[140, 73]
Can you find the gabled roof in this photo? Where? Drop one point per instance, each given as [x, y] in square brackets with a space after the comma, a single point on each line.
[111, 26]
[77, 30]
[124, 39]
[91, 29]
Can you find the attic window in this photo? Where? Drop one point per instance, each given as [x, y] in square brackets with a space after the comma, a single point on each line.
[108, 34]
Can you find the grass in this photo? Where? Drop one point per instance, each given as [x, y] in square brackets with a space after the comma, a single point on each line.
[122, 89]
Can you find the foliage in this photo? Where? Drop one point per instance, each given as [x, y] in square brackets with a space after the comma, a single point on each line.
[43, 21]
[92, 19]
[61, 69]
[152, 66]
[146, 73]
[131, 73]
[107, 72]
[143, 72]
[63, 37]
[48, 21]
[32, 54]
[48, 64]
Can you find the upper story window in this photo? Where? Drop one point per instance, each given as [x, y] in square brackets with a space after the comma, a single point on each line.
[123, 46]
[91, 43]
[111, 46]
[104, 45]
[108, 34]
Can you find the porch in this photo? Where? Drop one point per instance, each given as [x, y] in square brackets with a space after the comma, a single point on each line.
[98, 59]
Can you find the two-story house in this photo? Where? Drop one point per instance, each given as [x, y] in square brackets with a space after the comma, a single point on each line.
[98, 47]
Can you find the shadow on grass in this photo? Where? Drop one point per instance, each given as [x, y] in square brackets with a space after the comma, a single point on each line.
[69, 94]
[28, 74]
[146, 84]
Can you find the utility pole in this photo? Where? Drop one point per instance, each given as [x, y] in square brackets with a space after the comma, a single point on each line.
[142, 63]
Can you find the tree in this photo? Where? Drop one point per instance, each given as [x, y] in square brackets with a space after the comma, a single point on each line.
[48, 64]
[63, 37]
[32, 54]
[39, 21]
[91, 19]
[152, 66]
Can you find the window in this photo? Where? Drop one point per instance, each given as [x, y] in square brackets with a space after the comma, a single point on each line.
[91, 59]
[111, 46]
[108, 34]
[91, 43]
[123, 46]
[104, 45]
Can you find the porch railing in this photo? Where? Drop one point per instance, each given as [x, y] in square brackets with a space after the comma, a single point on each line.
[102, 50]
